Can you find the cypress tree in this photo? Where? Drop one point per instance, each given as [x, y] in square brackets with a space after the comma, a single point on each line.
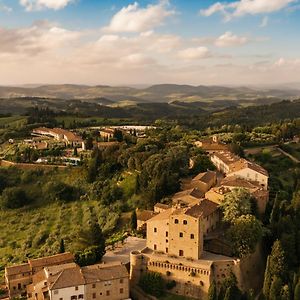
[133, 221]
[297, 291]
[275, 289]
[212, 291]
[62, 246]
[267, 279]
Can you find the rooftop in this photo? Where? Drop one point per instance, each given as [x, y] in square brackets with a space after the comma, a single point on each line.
[204, 209]
[17, 269]
[206, 177]
[51, 260]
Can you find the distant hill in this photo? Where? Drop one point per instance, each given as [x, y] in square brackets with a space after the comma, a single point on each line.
[157, 93]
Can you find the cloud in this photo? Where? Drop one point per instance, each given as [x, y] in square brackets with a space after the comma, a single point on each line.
[228, 39]
[194, 53]
[4, 8]
[39, 37]
[246, 7]
[32, 5]
[133, 18]
[264, 22]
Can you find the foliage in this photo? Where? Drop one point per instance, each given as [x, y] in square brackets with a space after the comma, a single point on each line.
[133, 220]
[244, 234]
[212, 291]
[152, 283]
[236, 204]
[14, 197]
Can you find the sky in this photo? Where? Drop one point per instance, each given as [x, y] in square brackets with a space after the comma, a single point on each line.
[106, 42]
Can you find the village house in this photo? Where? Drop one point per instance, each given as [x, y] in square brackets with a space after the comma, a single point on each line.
[204, 181]
[211, 145]
[142, 217]
[107, 133]
[232, 165]
[17, 277]
[59, 134]
[188, 197]
[69, 281]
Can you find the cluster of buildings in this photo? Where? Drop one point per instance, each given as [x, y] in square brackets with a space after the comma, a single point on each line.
[136, 130]
[59, 278]
[68, 137]
[183, 243]
[184, 240]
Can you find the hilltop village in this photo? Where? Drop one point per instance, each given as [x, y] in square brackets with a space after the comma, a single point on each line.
[184, 243]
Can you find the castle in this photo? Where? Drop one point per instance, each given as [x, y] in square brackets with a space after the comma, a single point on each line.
[177, 236]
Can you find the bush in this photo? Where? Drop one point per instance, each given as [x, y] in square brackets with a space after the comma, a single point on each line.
[170, 284]
[14, 197]
[152, 283]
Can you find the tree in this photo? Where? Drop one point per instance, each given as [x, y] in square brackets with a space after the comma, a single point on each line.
[275, 289]
[244, 235]
[277, 260]
[297, 291]
[236, 204]
[14, 197]
[62, 246]
[133, 221]
[285, 293]
[267, 279]
[152, 283]
[75, 151]
[118, 135]
[212, 291]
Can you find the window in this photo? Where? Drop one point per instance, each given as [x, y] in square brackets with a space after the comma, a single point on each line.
[94, 295]
[76, 288]
[180, 252]
[155, 229]
[180, 234]
[192, 236]
[154, 247]
[121, 290]
[107, 293]
[185, 222]
[167, 250]
[167, 233]
[167, 241]
[176, 221]
[121, 280]
[74, 297]
[93, 285]
[80, 296]
[19, 286]
[61, 298]
[55, 292]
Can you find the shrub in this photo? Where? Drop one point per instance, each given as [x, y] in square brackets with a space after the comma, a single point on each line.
[152, 283]
[14, 197]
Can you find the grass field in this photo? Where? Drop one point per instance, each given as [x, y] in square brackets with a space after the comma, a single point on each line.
[38, 229]
[14, 121]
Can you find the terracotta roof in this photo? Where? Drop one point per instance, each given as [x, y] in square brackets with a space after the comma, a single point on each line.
[17, 269]
[161, 205]
[234, 181]
[206, 177]
[52, 260]
[196, 193]
[243, 164]
[67, 278]
[102, 272]
[226, 157]
[144, 215]
[204, 209]
[71, 136]
[163, 215]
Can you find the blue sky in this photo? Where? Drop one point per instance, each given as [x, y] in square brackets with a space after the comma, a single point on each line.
[239, 42]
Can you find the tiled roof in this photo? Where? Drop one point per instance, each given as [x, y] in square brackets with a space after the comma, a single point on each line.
[52, 260]
[144, 215]
[17, 269]
[204, 209]
[163, 215]
[161, 205]
[196, 193]
[226, 157]
[67, 278]
[205, 177]
[243, 164]
[102, 272]
[234, 181]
